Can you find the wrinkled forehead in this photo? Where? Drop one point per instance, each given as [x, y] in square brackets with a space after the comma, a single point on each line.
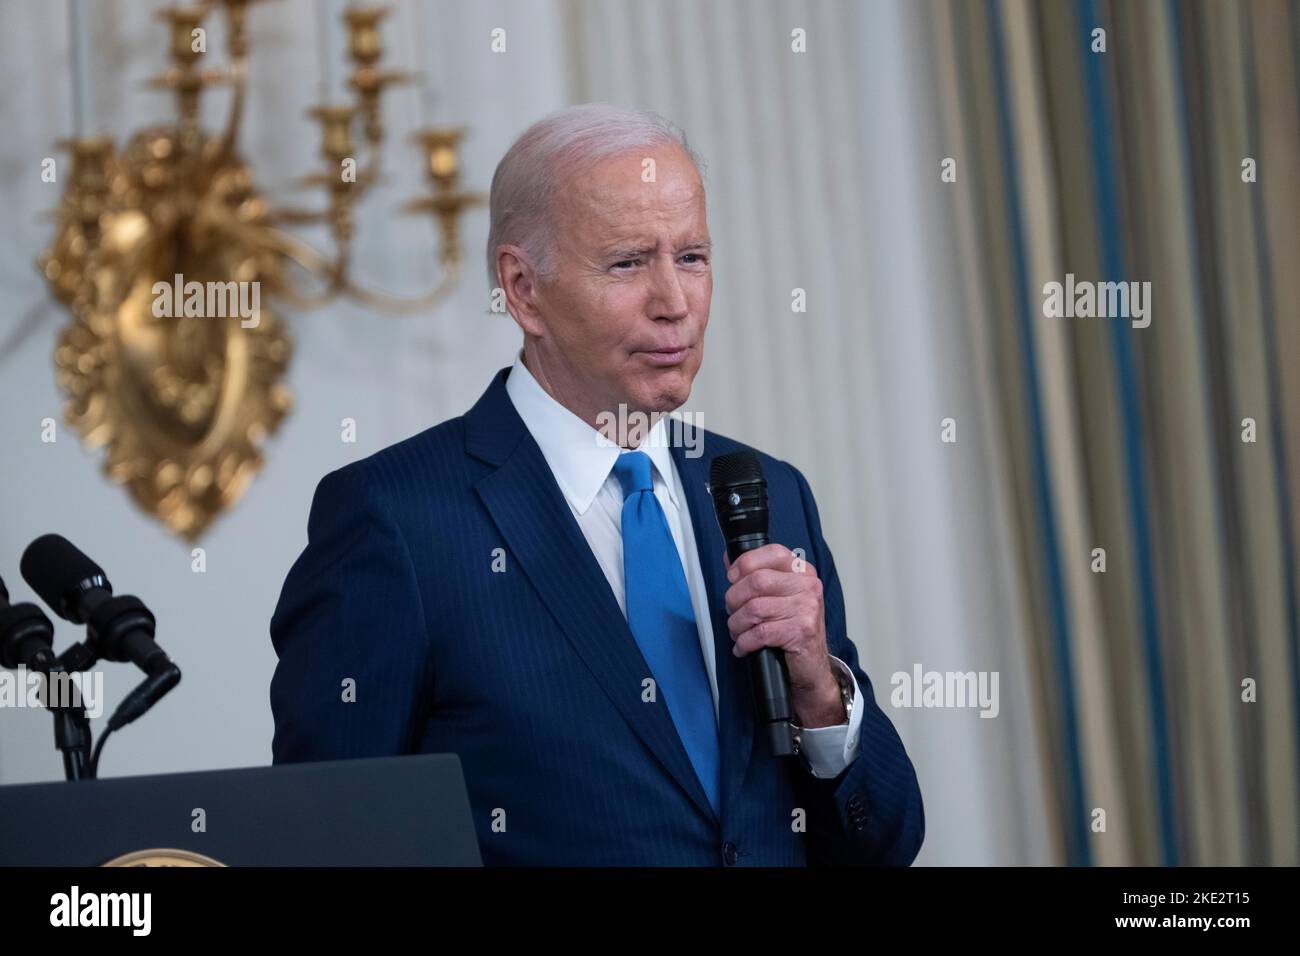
[625, 188]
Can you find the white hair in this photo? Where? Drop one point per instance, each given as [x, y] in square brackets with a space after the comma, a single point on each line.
[549, 154]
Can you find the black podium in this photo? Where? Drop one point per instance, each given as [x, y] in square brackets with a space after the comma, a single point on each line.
[392, 811]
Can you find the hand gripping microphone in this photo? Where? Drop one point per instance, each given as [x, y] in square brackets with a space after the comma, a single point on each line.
[117, 628]
[739, 493]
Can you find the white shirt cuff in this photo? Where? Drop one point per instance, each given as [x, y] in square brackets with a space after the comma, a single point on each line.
[826, 751]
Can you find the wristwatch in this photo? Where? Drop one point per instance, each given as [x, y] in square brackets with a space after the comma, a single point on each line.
[845, 680]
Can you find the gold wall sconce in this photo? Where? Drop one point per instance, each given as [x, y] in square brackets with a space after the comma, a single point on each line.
[166, 250]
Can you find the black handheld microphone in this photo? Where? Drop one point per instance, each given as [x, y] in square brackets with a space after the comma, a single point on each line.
[76, 589]
[26, 635]
[739, 493]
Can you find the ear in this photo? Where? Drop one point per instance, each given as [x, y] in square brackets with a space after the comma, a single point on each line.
[519, 281]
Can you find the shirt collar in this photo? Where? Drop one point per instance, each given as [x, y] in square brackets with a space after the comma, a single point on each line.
[577, 453]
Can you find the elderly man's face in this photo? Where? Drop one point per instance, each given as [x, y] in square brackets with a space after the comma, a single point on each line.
[624, 318]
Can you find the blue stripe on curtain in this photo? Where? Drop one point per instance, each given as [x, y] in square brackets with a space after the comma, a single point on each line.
[1112, 258]
[1078, 851]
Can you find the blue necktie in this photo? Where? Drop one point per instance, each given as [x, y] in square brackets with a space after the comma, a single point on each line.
[662, 621]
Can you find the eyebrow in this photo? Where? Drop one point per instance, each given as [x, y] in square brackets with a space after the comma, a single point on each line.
[632, 252]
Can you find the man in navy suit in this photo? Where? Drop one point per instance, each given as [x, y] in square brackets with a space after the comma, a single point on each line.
[550, 598]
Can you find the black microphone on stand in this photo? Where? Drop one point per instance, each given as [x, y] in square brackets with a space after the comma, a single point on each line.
[739, 493]
[76, 589]
[27, 641]
[26, 635]
[117, 628]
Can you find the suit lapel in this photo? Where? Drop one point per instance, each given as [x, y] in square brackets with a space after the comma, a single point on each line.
[735, 696]
[529, 510]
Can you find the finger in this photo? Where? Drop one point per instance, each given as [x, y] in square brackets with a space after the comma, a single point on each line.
[764, 634]
[769, 555]
[757, 611]
[764, 581]
[750, 640]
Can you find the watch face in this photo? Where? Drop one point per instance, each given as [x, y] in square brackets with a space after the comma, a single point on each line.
[846, 686]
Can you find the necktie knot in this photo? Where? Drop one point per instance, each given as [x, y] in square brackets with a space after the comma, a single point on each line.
[633, 471]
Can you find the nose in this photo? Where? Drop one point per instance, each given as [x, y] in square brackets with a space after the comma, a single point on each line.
[669, 300]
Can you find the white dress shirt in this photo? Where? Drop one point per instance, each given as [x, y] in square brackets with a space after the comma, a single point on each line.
[583, 466]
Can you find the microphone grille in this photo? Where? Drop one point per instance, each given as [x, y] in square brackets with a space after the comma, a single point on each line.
[736, 468]
[54, 567]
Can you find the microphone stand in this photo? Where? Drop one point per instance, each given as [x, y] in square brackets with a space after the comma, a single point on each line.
[71, 725]
[72, 733]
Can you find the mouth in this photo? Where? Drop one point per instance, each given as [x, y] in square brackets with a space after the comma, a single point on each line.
[667, 357]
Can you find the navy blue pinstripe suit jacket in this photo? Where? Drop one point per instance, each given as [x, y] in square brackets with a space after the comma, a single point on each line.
[532, 675]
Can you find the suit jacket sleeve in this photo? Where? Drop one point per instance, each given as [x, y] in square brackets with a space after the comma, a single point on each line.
[871, 813]
[350, 634]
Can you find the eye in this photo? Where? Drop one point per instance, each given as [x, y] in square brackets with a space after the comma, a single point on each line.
[694, 255]
[625, 262]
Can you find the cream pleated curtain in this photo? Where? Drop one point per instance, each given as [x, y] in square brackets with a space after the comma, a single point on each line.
[823, 175]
